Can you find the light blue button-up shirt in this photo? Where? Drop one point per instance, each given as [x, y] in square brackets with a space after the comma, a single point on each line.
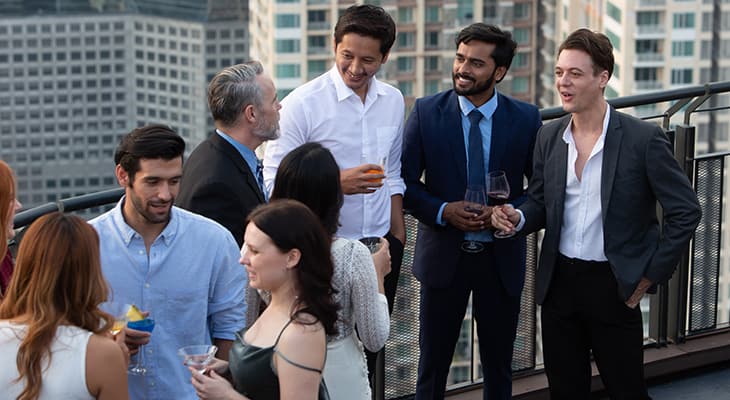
[190, 282]
[485, 125]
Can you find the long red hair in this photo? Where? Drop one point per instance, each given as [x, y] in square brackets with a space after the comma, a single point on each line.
[7, 201]
[57, 281]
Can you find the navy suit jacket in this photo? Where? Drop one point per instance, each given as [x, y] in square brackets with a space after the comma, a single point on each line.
[638, 171]
[434, 145]
[218, 184]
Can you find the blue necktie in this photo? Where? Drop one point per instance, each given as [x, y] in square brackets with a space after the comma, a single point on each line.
[476, 152]
[260, 176]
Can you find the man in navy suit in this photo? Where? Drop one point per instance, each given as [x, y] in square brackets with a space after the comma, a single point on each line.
[598, 176]
[437, 141]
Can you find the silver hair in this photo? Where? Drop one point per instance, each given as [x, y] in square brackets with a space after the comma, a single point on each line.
[232, 89]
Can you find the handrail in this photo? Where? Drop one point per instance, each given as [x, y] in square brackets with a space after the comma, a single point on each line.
[650, 98]
[82, 202]
[112, 195]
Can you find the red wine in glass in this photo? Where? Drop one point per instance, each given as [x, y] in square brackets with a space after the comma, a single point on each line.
[498, 191]
[498, 197]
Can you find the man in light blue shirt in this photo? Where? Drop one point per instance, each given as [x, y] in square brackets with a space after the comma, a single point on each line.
[180, 267]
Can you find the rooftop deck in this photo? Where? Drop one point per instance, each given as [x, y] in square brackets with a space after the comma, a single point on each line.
[688, 345]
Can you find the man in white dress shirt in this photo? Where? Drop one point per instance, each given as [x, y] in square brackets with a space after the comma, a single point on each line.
[597, 178]
[360, 120]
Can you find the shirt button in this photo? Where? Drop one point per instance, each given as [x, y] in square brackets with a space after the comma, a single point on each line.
[141, 252]
[147, 285]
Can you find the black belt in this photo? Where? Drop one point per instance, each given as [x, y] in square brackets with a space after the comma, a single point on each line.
[577, 262]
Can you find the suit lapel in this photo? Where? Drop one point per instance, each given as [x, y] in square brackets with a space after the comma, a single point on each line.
[453, 133]
[236, 159]
[499, 137]
[560, 167]
[610, 158]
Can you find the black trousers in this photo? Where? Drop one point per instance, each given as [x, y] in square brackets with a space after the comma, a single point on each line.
[441, 318]
[584, 313]
[390, 284]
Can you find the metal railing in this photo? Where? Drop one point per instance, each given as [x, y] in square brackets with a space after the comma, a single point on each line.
[686, 306]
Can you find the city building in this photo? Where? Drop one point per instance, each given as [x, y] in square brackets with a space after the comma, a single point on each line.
[420, 62]
[76, 75]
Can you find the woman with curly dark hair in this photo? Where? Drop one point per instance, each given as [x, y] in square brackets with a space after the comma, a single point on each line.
[281, 356]
[51, 328]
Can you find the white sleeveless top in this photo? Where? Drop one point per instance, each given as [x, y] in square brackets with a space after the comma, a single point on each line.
[64, 378]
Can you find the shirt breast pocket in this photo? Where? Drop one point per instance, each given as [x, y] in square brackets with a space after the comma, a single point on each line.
[385, 137]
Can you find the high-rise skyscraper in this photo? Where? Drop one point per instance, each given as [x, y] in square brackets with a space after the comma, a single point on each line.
[75, 75]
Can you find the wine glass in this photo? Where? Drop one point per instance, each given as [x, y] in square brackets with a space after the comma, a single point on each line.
[475, 202]
[145, 325]
[198, 356]
[119, 312]
[498, 191]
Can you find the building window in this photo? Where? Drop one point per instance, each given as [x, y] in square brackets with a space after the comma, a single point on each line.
[406, 88]
[521, 60]
[316, 67]
[520, 85]
[432, 39]
[432, 63]
[288, 70]
[405, 64]
[287, 20]
[522, 11]
[613, 11]
[405, 15]
[683, 21]
[522, 35]
[683, 48]
[681, 76]
[645, 74]
[431, 87]
[405, 39]
[317, 44]
[433, 14]
[287, 45]
[615, 40]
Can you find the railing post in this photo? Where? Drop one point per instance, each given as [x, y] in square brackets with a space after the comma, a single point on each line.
[675, 313]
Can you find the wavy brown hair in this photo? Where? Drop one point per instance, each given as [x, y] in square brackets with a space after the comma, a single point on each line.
[7, 200]
[57, 281]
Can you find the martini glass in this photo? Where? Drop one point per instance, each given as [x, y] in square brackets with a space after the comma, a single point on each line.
[145, 325]
[119, 312]
[198, 356]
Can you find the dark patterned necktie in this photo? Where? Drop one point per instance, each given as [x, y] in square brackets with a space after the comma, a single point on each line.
[260, 176]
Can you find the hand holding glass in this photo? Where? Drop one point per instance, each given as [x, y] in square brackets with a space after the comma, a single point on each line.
[475, 201]
[382, 162]
[145, 325]
[498, 191]
[198, 356]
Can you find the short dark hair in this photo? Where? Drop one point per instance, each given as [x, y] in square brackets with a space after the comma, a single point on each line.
[232, 89]
[311, 175]
[367, 20]
[597, 45]
[505, 46]
[148, 142]
[292, 225]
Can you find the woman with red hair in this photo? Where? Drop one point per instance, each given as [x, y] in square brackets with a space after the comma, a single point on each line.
[8, 206]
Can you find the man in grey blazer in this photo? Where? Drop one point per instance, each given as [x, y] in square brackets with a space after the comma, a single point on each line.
[597, 177]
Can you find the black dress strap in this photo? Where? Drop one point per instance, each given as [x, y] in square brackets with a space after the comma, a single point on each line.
[294, 363]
